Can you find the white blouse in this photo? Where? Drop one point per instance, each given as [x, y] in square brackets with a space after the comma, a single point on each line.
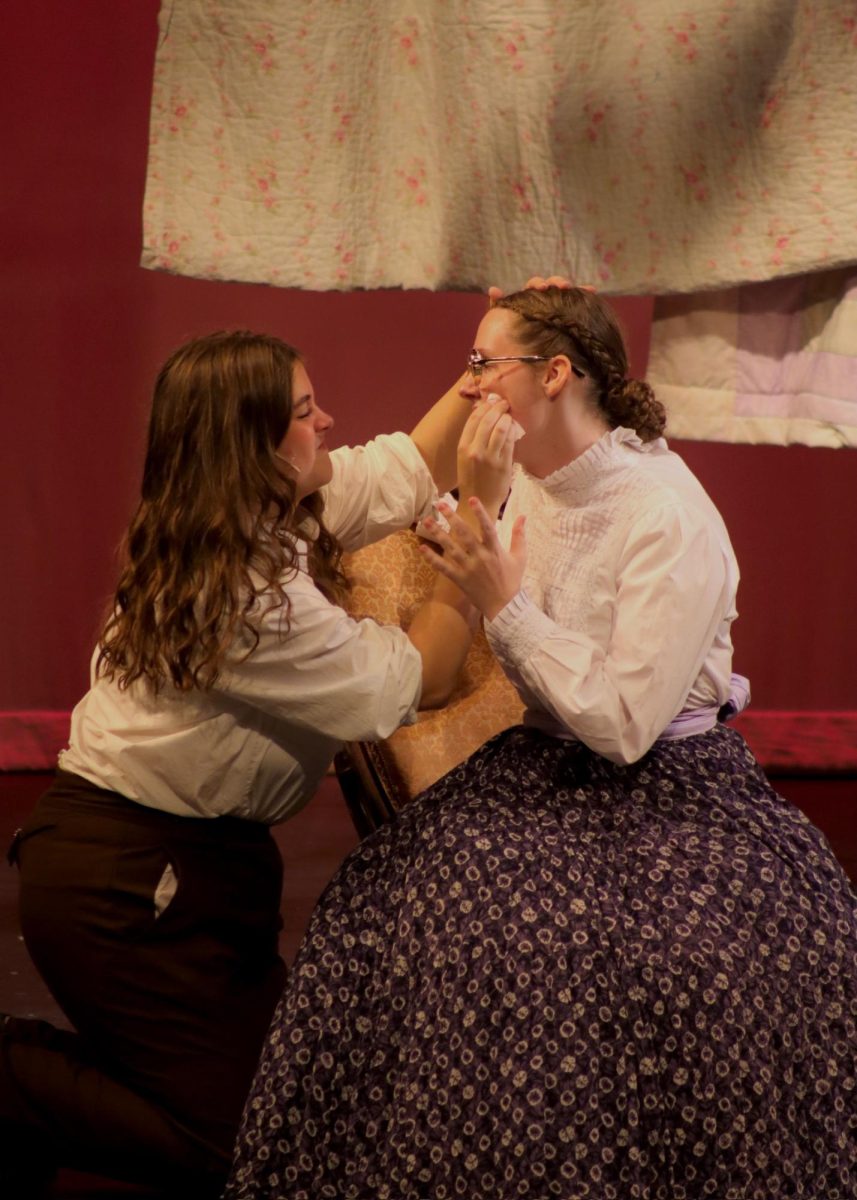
[623, 619]
[258, 742]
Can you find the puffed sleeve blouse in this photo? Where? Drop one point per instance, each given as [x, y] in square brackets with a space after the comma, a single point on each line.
[623, 619]
[256, 744]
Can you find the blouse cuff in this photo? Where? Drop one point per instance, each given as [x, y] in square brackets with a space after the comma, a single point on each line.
[518, 630]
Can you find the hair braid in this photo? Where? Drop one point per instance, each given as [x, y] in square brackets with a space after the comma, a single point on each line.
[582, 321]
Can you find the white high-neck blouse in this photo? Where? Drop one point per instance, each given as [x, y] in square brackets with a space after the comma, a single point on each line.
[623, 619]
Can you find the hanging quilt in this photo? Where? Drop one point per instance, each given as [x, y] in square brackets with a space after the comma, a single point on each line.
[643, 146]
[772, 362]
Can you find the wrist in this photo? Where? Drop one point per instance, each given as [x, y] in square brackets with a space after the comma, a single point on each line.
[494, 609]
[466, 512]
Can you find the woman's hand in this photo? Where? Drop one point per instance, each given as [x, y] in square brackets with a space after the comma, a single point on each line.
[485, 452]
[540, 284]
[475, 562]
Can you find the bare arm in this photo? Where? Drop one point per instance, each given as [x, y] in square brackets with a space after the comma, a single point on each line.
[442, 630]
[436, 434]
[443, 627]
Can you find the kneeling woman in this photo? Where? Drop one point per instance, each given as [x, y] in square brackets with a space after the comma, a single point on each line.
[601, 958]
[224, 681]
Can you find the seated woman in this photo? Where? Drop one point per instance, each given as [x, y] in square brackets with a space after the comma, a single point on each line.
[224, 680]
[601, 958]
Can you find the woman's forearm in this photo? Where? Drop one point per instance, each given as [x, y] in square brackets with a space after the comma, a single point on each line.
[442, 630]
[436, 435]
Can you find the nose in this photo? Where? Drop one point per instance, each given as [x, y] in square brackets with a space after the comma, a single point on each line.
[470, 388]
[323, 420]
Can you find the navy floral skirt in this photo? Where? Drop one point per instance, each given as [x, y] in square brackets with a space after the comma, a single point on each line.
[558, 977]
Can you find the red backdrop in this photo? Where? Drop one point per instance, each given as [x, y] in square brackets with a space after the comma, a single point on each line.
[84, 329]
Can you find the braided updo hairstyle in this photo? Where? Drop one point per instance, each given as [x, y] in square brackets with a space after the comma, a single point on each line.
[582, 325]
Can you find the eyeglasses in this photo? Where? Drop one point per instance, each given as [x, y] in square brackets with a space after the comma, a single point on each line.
[476, 364]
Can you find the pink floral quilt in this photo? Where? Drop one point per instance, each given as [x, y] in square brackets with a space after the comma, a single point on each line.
[645, 146]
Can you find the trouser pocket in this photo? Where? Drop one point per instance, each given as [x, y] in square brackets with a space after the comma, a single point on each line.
[22, 835]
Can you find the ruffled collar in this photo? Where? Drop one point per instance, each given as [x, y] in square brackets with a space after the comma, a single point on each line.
[577, 476]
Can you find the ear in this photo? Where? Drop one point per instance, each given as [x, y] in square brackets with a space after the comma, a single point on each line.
[557, 375]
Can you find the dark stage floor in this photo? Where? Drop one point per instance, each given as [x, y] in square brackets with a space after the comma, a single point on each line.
[312, 844]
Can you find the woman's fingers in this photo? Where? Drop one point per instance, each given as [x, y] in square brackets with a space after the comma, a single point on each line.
[465, 539]
[539, 282]
[463, 543]
[518, 540]
[457, 559]
[475, 561]
[442, 538]
[439, 562]
[504, 435]
[460, 531]
[486, 453]
[473, 435]
[486, 525]
[460, 540]
[481, 424]
[560, 281]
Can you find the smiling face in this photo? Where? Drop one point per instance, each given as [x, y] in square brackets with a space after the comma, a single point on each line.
[304, 449]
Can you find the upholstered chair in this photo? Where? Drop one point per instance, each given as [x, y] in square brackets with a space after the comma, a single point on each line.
[389, 581]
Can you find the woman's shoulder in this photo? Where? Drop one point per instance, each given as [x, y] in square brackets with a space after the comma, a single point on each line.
[378, 452]
[671, 481]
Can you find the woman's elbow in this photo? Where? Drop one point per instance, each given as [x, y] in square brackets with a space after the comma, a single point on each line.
[435, 694]
[626, 756]
[625, 746]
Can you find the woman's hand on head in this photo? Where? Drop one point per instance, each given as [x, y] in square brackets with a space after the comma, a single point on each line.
[485, 454]
[540, 284]
[475, 562]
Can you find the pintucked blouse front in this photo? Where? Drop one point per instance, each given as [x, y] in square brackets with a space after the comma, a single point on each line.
[624, 617]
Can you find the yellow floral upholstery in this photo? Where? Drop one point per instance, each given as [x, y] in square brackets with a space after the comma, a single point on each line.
[389, 582]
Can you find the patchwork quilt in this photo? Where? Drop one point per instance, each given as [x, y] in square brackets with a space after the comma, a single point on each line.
[772, 362]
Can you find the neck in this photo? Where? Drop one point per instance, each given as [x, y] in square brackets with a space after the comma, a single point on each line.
[569, 433]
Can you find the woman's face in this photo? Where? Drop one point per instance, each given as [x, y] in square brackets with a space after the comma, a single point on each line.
[518, 383]
[304, 449]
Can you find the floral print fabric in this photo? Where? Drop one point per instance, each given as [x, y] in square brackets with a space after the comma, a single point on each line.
[554, 976]
[642, 147]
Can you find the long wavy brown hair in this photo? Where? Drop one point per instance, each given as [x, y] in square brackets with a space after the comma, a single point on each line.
[213, 538]
[581, 324]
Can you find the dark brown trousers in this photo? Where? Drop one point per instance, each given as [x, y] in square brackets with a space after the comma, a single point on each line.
[169, 1011]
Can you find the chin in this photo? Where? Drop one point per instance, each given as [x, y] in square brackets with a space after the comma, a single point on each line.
[323, 474]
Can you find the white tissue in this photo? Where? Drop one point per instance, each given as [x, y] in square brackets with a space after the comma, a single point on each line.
[441, 521]
[517, 430]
